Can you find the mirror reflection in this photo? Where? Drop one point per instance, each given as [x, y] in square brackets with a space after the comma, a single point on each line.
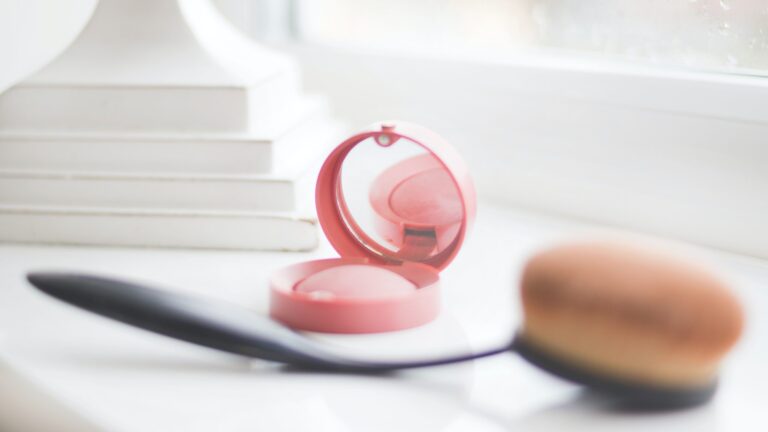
[399, 200]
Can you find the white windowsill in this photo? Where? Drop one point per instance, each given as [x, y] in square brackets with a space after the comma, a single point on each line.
[82, 370]
[667, 151]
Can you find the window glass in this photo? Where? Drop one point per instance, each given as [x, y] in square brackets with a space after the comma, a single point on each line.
[719, 34]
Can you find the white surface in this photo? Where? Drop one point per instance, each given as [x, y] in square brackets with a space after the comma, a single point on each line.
[672, 152]
[123, 379]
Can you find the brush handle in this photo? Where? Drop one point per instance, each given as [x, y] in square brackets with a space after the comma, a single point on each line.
[211, 323]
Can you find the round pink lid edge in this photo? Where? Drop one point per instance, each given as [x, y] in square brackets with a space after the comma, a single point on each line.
[328, 212]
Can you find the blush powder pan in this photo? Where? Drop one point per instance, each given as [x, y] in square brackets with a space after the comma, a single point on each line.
[355, 281]
[387, 276]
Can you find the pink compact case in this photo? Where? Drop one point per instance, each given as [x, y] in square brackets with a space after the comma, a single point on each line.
[396, 202]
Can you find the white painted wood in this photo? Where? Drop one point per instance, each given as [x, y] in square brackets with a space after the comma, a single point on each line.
[125, 379]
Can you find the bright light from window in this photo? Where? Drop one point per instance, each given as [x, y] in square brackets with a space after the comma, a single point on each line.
[729, 34]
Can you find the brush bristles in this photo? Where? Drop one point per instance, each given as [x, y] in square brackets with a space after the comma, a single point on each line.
[629, 314]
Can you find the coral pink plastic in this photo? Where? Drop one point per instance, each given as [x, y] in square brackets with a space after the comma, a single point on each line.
[339, 227]
[354, 314]
[318, 295]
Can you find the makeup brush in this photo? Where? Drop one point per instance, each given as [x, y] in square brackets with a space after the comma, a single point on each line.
[630, 321]
[646, 329]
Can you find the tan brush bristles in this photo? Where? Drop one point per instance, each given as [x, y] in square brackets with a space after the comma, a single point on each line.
[629, 314]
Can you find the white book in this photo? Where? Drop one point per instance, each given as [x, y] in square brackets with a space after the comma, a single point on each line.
[157, 228]
[287, 145]
[158, 108]
[287, 189]
[198, 192]
[155, 65]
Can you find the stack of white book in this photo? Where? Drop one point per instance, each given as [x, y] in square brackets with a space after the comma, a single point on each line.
[161, 127]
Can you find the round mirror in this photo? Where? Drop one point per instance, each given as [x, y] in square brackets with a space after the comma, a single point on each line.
[399, 200]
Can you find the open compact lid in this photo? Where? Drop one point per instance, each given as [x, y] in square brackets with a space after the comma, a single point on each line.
[394, 193]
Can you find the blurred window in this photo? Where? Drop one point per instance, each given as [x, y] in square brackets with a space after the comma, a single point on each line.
[710, 34]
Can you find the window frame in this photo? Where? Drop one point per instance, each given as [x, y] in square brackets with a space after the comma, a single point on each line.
[553, 136]
[656, 149]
